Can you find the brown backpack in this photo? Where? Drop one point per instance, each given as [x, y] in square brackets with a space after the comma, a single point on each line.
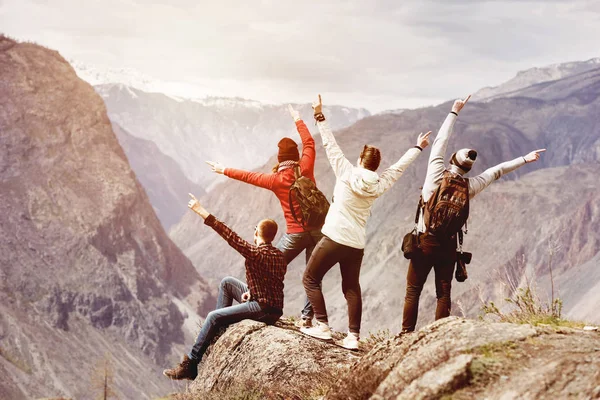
[313, 203]
[448, 208]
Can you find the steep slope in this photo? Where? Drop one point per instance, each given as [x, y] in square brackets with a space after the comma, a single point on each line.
[86, 269]
[532, 214]
[238, 132]
[162, 178]
[534, 76]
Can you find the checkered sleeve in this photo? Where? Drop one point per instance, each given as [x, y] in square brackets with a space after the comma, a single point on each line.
[246, 249]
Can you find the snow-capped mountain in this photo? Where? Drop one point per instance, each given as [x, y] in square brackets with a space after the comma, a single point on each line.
[133, 78]
[534, 76]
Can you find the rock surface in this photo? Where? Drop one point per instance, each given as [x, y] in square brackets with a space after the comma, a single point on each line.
[454, 357]
[253, 353]
[86, 270]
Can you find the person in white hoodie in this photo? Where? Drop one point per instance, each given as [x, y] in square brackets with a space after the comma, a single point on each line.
[438, 245]
[356, 189]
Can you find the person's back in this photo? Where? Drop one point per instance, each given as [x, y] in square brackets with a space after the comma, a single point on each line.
[356, 189]
[446, 196]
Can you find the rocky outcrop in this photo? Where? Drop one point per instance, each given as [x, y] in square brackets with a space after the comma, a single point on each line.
[454, 357]
[85, 266]
[254, 354]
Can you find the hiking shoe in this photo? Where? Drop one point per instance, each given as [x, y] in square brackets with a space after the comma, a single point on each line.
[304, 323]
[188, 369]
[351, 341]
[319, 331]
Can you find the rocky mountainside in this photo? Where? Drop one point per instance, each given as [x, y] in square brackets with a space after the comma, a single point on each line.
[551, 204]
[452, 358]
[533, 76]
[162, 178]
[238, 132]
[86, 270]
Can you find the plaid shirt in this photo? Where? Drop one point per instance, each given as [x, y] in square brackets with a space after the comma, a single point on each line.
[265, 265]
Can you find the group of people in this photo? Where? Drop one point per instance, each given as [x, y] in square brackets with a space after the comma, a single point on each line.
[443, 209]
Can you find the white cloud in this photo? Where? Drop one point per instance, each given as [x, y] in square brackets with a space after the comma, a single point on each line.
[378, 54]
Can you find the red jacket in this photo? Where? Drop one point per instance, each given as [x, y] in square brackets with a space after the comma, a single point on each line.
[280, 182]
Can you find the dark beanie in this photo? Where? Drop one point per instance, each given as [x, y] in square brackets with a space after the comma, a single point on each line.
[288, 150]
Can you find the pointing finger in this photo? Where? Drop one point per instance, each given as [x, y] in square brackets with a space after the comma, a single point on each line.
[290, 108]
[540, 150]
[192, 196]
[320, 101]
[467, 99]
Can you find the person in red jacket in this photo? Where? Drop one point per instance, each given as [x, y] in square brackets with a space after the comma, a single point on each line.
[297, 238]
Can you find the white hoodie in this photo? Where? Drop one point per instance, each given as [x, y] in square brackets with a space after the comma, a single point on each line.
[355, 191]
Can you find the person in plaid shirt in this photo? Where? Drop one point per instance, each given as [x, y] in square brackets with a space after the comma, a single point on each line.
[261, 299]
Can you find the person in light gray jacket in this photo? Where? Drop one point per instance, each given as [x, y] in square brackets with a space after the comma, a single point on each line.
[356, 189]
[438, 251]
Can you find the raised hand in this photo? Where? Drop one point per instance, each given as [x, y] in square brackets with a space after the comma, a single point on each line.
[533, 156]
[459, 104]
[196, 207]
[216, 167]
[294, 113]
[423, 139]
[318, 107]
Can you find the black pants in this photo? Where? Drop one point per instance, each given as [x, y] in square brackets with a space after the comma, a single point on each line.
[326, 254]
[436, 254]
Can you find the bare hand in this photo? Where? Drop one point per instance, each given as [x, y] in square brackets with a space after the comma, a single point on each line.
[216, 167]
[534, 155]
[318, 107]
[423, 139]
[196, 207]
[245, 297]
[459, 104]
[295, 114]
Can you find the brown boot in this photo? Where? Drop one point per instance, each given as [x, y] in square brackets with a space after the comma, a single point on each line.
[188, 369]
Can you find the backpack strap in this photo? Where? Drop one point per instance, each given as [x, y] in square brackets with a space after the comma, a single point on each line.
[292, 209]
[460, 237]
[419, 207]
[297, 173]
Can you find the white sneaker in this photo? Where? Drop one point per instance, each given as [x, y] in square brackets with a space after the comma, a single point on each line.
[351, 341]
[303, 323]
[319, 331]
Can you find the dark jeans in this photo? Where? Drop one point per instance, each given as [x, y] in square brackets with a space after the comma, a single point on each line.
[324, 257]
[291, 245]
[226, 314]
[436, 254]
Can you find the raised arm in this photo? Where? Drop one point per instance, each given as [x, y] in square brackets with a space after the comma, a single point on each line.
[307, 160]
[340, 164]
[480, 182]
[233, 239]
[393, 173]
[436, 166]
[254, 178]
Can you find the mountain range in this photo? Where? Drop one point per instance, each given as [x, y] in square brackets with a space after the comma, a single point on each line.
[237, 132]
[87, 273]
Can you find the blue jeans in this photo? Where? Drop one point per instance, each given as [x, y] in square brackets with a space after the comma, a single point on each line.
[226, 314]
[291, 245]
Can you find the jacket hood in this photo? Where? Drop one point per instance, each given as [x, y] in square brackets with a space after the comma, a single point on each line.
[364, 181]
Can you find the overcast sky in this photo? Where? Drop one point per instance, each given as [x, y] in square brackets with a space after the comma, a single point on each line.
[375, 54]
